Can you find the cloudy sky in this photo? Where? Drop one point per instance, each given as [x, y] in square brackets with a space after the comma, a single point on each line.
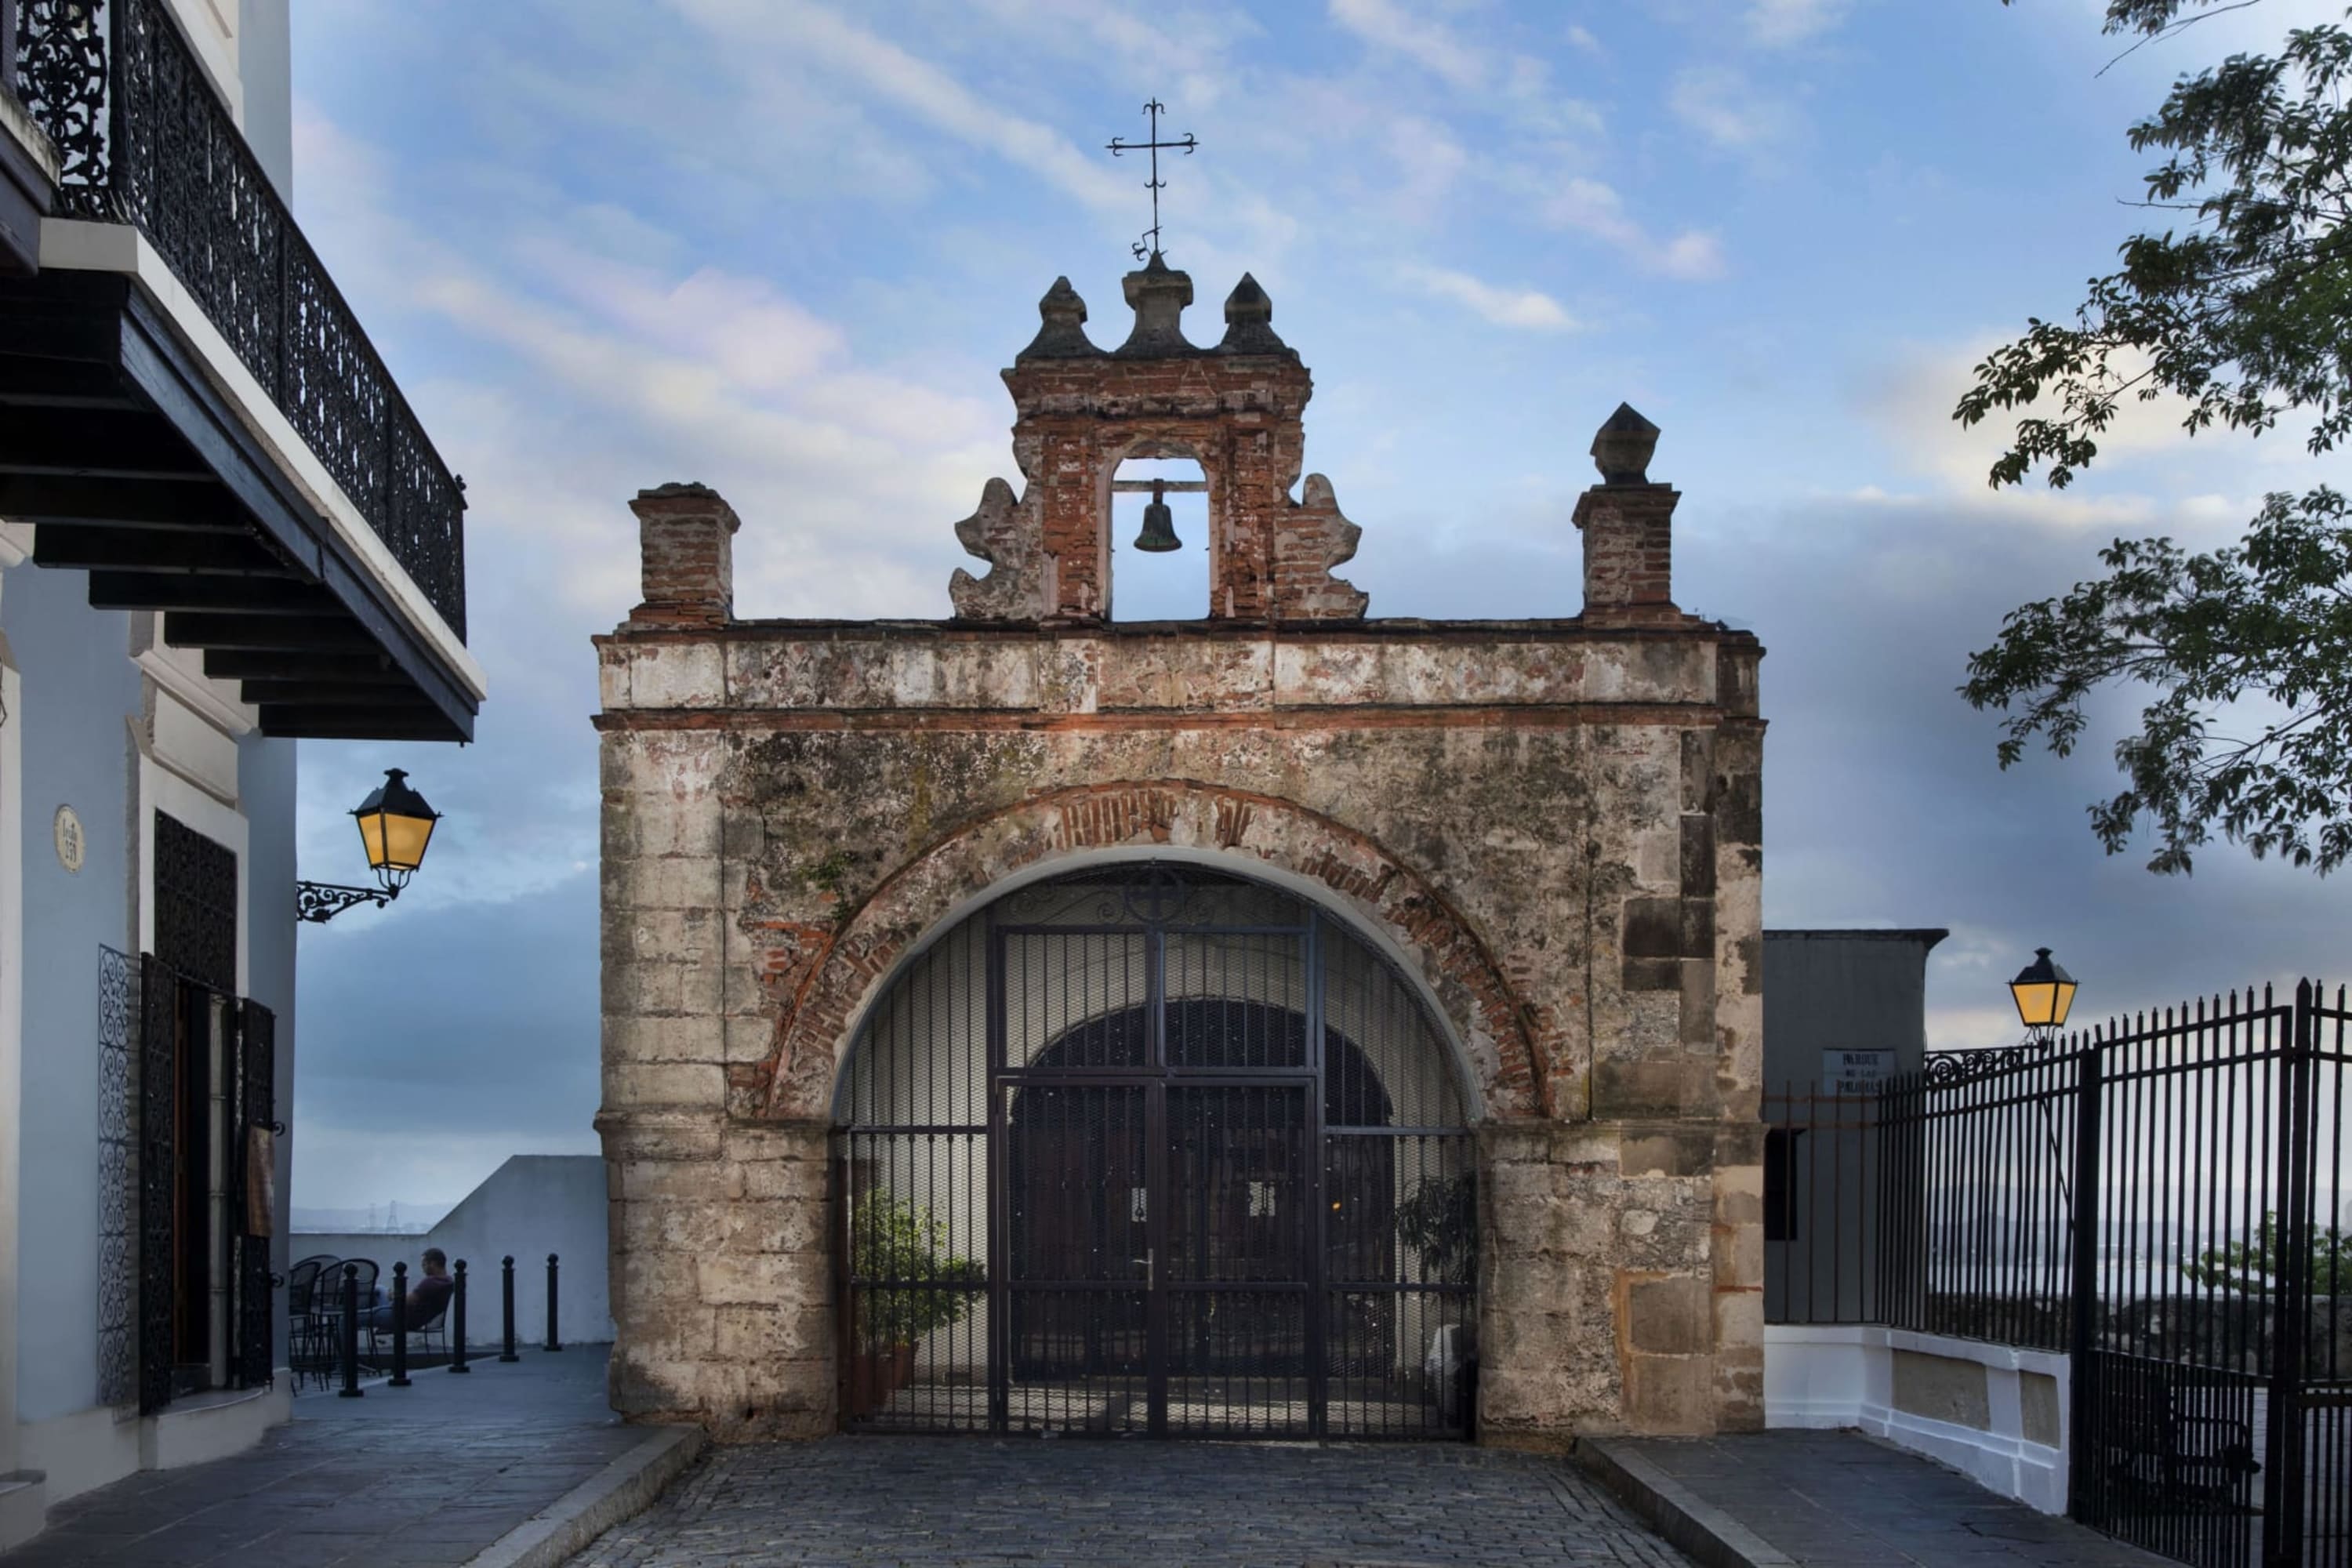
[785, 248]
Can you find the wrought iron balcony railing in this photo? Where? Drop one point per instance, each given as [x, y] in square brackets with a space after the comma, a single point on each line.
[143, 139]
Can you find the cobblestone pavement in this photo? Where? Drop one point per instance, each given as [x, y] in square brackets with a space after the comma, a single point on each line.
[425, 1475]
[948, 1501]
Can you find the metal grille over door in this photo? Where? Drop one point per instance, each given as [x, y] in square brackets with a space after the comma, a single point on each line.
[1155, 1152]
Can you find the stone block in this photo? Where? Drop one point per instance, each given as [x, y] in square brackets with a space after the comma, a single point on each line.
[630, 1084]
[1739, 1324]
[755, 1279]
[757, 1335]
[1668, 1316]
[1669, 1396]
[1666, 1151]
[692, 1179]
[630, 1039]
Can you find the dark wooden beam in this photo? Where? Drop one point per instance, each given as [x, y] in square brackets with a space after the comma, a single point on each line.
[316, 693]
[92, 443]
[344, 724]
[322, 634]
[44, 499]
[77, 547]
[345, 669]
[186, 591]
[32, 381]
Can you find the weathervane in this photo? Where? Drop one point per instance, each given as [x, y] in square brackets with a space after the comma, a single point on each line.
[1120, 144]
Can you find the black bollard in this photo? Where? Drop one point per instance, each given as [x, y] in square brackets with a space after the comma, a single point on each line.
[351, 1389]
[553, 1342]
[399, 1378]
[457, 1322]
[505, 1284]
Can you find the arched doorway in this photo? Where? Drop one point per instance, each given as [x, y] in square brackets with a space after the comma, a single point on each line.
[1155, 1150]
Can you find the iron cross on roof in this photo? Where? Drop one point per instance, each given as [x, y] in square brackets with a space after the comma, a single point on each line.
[1149, 245]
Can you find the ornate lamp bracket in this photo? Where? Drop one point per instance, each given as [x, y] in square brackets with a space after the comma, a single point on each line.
[322, 901]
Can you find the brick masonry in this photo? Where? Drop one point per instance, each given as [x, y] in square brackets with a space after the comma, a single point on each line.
[1558, 824]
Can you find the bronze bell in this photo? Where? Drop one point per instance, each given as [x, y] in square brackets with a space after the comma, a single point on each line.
[1159, 534]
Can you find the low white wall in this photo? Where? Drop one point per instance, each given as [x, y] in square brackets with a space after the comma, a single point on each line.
[532, 1205]
[1846, 1376]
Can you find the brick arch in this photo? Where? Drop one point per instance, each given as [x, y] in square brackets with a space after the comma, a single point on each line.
[1488, 1019]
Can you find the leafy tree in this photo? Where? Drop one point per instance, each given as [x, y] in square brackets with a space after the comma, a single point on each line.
[2242, 310]
[2256, 1265]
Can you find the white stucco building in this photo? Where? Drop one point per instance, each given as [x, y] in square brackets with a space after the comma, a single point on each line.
[221, 530]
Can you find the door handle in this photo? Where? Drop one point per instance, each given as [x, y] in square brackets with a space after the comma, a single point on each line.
[1150, 1269]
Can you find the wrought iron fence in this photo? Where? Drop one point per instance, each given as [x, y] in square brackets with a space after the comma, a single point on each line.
[2167, 1199]
[143, 139]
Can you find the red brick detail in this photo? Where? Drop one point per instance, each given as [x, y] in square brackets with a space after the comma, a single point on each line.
[687, 552]
[839, 972]
[1628, 553]
[1240, 417]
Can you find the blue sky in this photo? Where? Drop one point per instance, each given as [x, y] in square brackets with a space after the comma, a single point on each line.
[785, 248]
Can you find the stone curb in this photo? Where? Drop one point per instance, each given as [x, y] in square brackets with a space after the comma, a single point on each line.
[618, 1492]
[1711, 1536]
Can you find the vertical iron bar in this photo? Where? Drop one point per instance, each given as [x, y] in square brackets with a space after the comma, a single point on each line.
[2083, 1439]
[1315, 1220]
[506, 1310]
[1000, 1202]
[457, 1321]
[399, 1378]
[350, 1327]
[2291, 1273]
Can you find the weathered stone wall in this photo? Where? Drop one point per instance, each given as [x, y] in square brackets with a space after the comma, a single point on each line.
[1555, 824]
[1559, 826]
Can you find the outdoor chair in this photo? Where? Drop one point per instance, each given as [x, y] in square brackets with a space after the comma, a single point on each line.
[420, 1338]
[328, 1300]
[2201, 1460]
[311, 1350]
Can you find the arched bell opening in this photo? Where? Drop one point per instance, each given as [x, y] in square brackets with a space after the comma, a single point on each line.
[1154, 1149]
[1157, 536]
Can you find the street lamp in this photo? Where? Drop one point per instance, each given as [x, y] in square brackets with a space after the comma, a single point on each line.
[395, 825]
[2043, 993]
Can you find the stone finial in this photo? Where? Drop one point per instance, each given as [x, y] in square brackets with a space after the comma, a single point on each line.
[1622, 447]
[1628, 526]
[1158, 294]
[686, 544]
[1063, 332]
[1249, 321]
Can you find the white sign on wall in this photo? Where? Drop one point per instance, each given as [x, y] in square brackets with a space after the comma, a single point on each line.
[67, 829]
[1855, 1072]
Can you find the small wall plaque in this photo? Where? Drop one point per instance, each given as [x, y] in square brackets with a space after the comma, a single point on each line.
[71, 842]
[1856, 1072]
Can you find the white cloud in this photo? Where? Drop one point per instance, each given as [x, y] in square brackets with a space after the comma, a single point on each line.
[1528, 309]
[1582, 38]
[1722, 105]
[1428, 44]
[755, 30]
[1778, 23]
[1594, 207]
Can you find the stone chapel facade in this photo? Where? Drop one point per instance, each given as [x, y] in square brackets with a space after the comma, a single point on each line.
[1285, 1022]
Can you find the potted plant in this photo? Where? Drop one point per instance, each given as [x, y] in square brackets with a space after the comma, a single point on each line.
[912, 1286]
[1439, 1220]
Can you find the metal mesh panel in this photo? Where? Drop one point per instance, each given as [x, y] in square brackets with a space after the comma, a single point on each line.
[1159, 1152]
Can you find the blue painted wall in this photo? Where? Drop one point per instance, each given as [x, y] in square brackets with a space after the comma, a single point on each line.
[79, 692]
[80, 696]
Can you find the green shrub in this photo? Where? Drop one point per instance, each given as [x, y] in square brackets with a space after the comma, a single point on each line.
[925, 1287]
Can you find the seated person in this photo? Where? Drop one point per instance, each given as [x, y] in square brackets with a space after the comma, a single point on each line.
[425, 1297]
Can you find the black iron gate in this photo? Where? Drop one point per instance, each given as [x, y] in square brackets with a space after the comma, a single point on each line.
[1159, 1153]
[2168, 1199]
